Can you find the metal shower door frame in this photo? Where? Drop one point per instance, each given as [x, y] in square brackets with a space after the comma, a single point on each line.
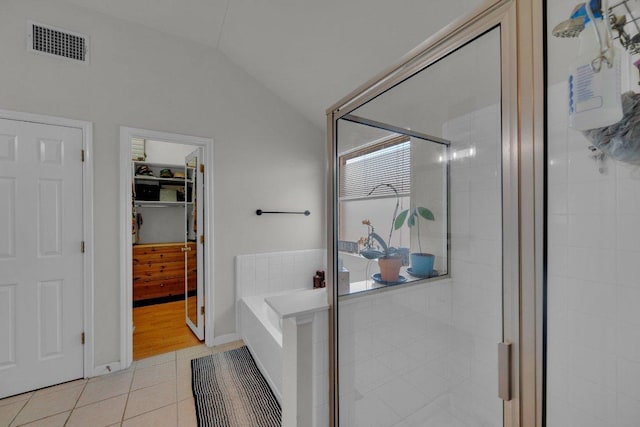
[522, 53]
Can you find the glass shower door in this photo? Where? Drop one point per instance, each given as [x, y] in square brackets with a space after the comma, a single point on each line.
[419, 174]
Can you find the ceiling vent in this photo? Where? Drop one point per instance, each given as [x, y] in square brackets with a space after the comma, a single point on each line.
[52, 41]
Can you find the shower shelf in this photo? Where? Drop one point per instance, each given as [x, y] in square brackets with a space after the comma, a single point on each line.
[623, 21]
[631, 44]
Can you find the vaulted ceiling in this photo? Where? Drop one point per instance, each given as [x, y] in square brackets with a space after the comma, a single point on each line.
[309, 52]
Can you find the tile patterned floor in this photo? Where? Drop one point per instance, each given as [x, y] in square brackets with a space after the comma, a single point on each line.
[153, 392]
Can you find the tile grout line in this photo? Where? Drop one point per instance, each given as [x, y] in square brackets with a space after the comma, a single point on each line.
[86, 381]
[134, 368]
[130, 391]
[33, 393]
[150, 411]
[21, 409]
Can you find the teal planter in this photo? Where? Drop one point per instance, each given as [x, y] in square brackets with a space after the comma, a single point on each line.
[422, 264]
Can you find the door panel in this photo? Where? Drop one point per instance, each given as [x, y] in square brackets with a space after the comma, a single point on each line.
[50, 315]
[8, 326]
[49, 209]
[8, 147]
[41, 268]
[7, 217]
[194, 232]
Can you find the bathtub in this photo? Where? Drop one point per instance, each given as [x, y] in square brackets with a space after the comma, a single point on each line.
[261, 330]
[279, 280]
[303, 343]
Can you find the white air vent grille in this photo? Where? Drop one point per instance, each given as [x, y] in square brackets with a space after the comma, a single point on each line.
[57, 42]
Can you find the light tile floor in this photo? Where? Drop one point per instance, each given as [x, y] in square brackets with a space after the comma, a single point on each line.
[152, 392]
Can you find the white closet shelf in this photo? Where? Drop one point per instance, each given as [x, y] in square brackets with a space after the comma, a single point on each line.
[161, 165]
[158, 204]
[155, 178]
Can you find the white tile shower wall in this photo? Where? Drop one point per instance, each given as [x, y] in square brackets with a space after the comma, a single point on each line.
[425, 355]
[476, 266]
[593, 264]
[593, 281]
[393, 353]
[267, 273]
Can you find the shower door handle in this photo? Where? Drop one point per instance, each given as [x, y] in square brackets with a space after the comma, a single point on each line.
[504, 371]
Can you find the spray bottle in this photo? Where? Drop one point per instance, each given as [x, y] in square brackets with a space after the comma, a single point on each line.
[595, 79]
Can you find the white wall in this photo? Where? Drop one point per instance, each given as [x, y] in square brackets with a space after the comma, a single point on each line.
[161, 225]
[429, 187]
[267, 155]
[167, 152]
[593, 267]
[380, 213]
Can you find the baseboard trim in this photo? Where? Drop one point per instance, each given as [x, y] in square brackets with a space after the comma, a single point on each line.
[107, 368]
[223, 339]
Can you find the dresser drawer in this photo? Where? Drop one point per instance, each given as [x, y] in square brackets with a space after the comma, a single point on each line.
[158, 270]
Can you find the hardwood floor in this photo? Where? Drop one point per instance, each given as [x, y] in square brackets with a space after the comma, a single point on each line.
[160, 328]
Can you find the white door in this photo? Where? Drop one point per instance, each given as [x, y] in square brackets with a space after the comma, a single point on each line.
[41, 266]
[194, 235]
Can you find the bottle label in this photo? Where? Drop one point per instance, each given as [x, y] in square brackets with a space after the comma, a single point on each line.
[594, 97]
[585, 90]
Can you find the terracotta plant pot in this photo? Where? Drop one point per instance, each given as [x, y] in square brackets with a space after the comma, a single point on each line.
[390, 268]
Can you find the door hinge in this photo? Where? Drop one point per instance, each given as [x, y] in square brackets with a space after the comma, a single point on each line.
[202, 310]
[82, 338]
[82, 155]
[82, 246]
[201, 168]
[504, 371]
[202, 239]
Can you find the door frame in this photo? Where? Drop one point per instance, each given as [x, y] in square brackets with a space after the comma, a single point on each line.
[126, 250]
[523, 92]
[86, 128]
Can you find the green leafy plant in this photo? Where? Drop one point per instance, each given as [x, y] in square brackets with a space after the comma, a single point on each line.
[412, 217]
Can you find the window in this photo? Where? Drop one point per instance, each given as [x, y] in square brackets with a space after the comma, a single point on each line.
[138, 149]
[369, 169]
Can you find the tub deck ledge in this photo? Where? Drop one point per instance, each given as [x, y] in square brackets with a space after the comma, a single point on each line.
[299, 303]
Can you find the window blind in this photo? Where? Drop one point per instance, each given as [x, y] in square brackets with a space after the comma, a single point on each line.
[386, 163]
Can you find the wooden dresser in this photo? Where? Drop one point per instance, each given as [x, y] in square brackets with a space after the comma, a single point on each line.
[158, 270]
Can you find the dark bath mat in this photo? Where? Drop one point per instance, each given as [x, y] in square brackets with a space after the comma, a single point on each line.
[230, 391]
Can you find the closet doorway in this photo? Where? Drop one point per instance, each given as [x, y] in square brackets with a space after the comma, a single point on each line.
[166, 230]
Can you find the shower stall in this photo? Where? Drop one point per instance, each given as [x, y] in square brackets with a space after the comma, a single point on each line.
[433, 171]
[593, 240]
[465, 153]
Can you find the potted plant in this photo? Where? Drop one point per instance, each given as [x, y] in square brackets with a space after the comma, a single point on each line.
[421, 263]
[374, 245]
[389, 258]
